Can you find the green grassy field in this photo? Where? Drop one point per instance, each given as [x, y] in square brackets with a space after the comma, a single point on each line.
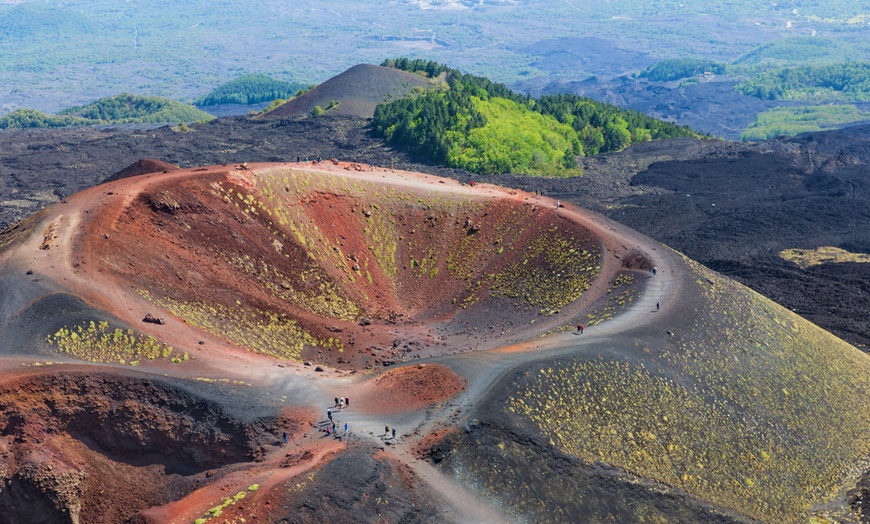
[786, 121]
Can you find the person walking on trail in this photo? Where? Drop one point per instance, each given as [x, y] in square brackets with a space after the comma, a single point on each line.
[655, 270]
[329, 414]
[580, 328]
[394, 433]
[285, 437]
[386, 429]
[346, 402]
[345, 428]
[657, 306]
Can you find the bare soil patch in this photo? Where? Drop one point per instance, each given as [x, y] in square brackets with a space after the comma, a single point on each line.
[411, 387]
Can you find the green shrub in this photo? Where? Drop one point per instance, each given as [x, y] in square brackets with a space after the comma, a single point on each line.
[250, 89]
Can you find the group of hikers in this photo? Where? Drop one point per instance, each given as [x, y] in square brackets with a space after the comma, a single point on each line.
[330, 426]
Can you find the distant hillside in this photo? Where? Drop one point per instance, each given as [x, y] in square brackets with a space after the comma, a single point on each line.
[250, 89]
[356, 92]
[794, 120]
[831, 82]
[798, 50]
[486, 128]
[181, 50]
[119, 109]
[32, 19]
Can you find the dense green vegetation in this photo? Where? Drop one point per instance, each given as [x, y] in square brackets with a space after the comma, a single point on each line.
[848, 81]
[430, 68]
[515, 138]
[788, 121]
[250, 89]
[119, 109]
[677, 68]
[27, 118]
[798, 50]
[484, 127]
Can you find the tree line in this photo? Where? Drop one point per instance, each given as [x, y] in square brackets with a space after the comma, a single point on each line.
[124, 108]
[849, 81]
[251, 89]
[677, 68]
[482, 126]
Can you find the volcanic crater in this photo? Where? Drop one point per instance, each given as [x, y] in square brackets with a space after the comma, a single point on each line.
[335, 264]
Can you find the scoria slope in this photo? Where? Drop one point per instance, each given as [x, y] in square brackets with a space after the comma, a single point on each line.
[446, 311]
[355, 92]
[728, 397]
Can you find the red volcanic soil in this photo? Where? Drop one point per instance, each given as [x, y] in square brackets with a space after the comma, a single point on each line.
[410, 388]
[73, 441]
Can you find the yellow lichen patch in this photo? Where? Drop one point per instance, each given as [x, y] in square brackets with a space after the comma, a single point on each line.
[805, 258]
[554, 272]
[218, 510]
[380, 235]
[255, 330]
[620, 295]
[321, 295]
[95, 342]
